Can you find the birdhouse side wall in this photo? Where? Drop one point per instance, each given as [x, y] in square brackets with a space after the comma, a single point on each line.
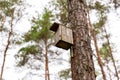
[66, 34]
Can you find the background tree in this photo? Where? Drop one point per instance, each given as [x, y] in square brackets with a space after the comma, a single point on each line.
[39, 38]
[101, 33]
[10, 13]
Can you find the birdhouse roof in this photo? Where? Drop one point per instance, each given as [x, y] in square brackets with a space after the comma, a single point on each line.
[54, 27]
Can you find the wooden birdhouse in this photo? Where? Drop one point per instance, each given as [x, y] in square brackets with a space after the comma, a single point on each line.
[63, 36]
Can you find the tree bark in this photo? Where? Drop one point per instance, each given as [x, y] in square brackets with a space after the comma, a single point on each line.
[82, 65]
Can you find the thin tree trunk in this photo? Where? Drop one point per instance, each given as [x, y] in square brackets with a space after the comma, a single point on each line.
[109, 71]
[111, 55]
[47, 75]
[7, 46]
[82, 65]
[96, 46]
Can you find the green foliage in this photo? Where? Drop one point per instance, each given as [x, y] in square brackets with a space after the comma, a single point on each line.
[62, 11]
[105, 51]
[100, 7]
[100, 24]
[25, 52]
[101, 14]
[9, 9]
[40, 29]
[65, 74]
[29, 50]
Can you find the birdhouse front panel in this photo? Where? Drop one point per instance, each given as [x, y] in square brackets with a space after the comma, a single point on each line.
[64, 37]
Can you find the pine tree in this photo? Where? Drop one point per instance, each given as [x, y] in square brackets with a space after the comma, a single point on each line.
[40, 38]
[10, 14]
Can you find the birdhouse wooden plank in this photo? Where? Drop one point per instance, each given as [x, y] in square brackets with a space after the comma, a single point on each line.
[63, 36]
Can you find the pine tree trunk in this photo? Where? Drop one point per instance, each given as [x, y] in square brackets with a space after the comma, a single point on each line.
[47, 75]
[82, 65]
[96, 47]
